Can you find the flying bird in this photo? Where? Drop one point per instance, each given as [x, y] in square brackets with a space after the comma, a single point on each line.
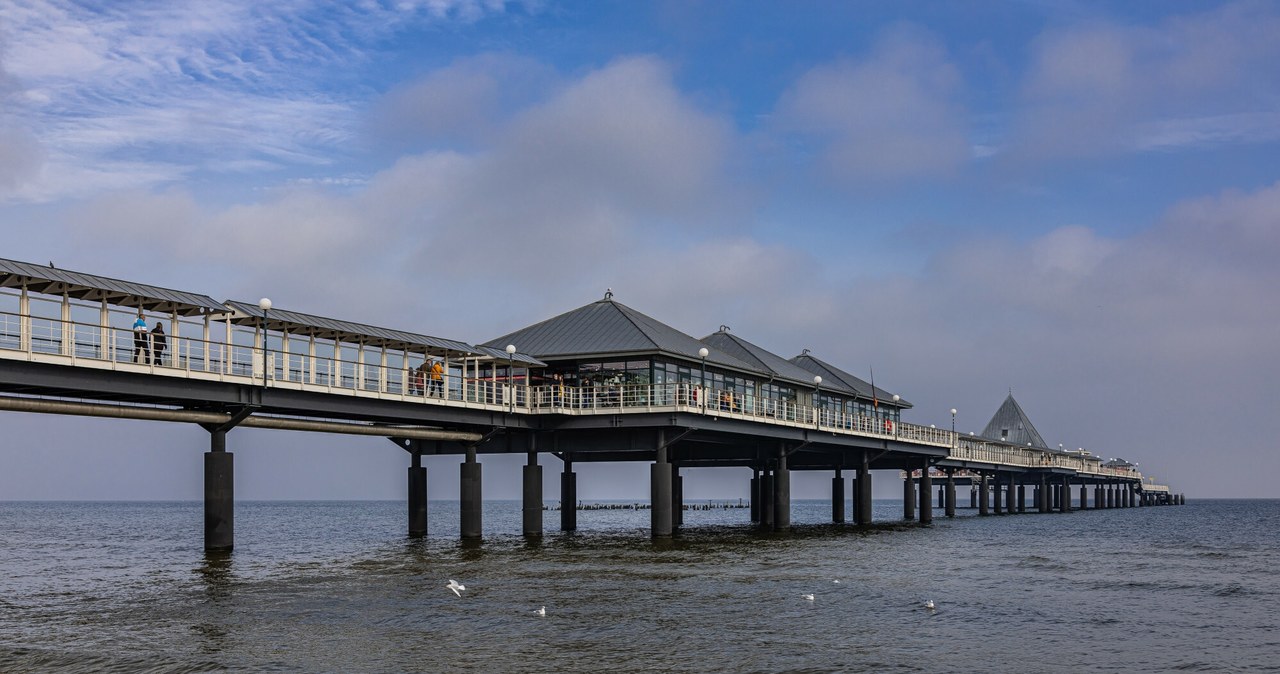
[542, 611]
[456, 587]
[807, 597]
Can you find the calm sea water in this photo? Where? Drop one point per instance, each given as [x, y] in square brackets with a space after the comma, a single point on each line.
[336, 586]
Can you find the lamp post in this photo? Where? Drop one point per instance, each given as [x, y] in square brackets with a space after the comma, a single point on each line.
[817, 391]
[896, 411]
[703, 353]
[511, 367]
[954, 439]
[265, 305]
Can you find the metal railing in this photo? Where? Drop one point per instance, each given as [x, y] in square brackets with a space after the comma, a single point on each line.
[185, 356]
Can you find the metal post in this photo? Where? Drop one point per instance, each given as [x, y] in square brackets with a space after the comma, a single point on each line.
[660, 493]
[951, 493]
[677, 498]
[982, 494]
[908, 496]
[755, 494]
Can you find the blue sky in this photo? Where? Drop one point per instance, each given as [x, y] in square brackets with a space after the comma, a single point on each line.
[1076, 200]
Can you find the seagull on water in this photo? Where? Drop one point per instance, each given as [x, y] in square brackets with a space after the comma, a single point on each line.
[542, 611]
[807, 597]
[836, 581]
[928, 603]
[456, 587]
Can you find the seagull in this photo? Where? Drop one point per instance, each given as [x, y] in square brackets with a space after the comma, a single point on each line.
[928, 603]
[542, 611]
[807, 597]
[456, 587]
[836, 581]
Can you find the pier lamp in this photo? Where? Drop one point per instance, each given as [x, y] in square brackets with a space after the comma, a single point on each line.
[511, 370]
[817, 391]
[703, 353]
[953, 421]
[265, 305]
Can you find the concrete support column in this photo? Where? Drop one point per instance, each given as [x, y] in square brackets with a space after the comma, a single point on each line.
[766, 500]
[219, 494]
[1043, 505]
[533, 496]
[996, 494]
[864, 490]
[417, 497]
[782, 495]
[677, 498]
[1022, 497]
[1133, 495]
[1084, 497]
[951, 494]
[1099, 501]
[568, 496]
[1065, 506]
[1111, 497]
[973, 494]
[982, 495]
[837, 498]
[755, 494]
[908, 497]
[660, 497]
[926, 495]
[469, 494]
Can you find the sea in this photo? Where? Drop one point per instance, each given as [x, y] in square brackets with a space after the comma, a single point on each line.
[339, 587]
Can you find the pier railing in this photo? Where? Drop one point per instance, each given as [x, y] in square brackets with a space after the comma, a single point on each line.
[239, 356]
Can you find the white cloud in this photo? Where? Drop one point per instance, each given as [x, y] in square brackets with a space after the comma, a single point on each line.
[894, 114]
[158, 91]
[1193, 80]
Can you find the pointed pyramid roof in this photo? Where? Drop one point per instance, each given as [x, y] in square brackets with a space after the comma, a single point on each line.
[763, 360]
[833, 374]
[1010, 424]
[609, 328]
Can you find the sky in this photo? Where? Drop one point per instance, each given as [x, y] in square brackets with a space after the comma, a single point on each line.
[1078, 202]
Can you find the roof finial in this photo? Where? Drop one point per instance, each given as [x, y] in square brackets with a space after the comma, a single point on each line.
[608, 293]
[804, 352]
[724, 328]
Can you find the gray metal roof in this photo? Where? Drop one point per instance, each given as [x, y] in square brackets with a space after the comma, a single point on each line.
[1010, 424]
[49, 280]
[609, 328]
[298, 323]
[767, 361]
[832, 374]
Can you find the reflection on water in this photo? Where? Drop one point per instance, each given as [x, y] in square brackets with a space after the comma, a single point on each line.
[339, 587]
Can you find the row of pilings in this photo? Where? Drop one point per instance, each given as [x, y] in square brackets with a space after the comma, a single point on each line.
[770, 501]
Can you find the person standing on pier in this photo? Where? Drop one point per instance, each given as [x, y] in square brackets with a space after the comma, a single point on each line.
[140, 352]
[158, 344]
[437, 379]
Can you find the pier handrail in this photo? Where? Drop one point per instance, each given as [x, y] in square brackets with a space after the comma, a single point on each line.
[240, 357]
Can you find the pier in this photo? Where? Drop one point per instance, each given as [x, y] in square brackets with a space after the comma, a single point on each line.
[600, 383]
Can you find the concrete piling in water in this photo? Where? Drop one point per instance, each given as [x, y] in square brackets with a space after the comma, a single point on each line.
[909, 497]
[982, 494]
[926, 495]
[951, 494]
[864, 490]
[417, 497]
[470, 497]
[755, 495]
[677, 498]
[219, 494]
[660, 492]
[766, 500]
[532, 488]
[996, 502]
[568, 496]
[837, 498]
[781, 495]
